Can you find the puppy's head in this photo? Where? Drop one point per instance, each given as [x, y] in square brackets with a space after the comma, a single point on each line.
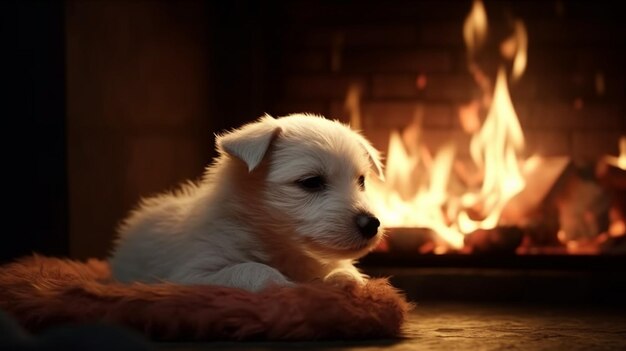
[314, 181]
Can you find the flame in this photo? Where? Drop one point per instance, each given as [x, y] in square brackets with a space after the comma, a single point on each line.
[617, 225]
[419, 191]
[521, 39]
[475, 27]
[495, 148]
[620, 160]
[397, 206]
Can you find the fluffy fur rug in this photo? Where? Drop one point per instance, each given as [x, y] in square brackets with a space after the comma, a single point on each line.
[41, 292]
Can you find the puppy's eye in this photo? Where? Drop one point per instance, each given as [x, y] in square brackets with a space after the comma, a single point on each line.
[362, 182]
[312, 184]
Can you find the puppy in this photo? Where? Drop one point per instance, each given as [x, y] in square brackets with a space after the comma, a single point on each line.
[283, 203]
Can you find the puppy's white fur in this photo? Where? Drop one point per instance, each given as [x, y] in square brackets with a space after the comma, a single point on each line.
[249, 222]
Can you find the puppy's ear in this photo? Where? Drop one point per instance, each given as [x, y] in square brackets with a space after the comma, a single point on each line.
[374, 157]
[250, 142]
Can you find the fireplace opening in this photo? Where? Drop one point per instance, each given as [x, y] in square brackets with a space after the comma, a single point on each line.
[501, 122]
[503, 129]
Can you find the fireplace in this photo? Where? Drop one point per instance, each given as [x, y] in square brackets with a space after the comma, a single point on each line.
[502, 123]
[504, 132]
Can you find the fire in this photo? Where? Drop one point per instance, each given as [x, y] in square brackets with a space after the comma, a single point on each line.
[475, 26]
[398, 206]
[617, 219]
[419, 190]
[515, 48]
[619, 161]
[495, 149]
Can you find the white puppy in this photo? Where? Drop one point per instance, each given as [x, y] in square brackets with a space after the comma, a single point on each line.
[283, 203]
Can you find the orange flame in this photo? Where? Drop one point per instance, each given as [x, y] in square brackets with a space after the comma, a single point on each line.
[418, 191]
[475, 26]
[495, 148]
[619, 161]
[516, 48]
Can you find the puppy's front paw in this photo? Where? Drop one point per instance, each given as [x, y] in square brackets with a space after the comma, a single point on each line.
[345, 278]
[251, 276]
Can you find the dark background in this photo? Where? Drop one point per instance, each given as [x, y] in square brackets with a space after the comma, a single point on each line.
[108, 101]
[34, 129]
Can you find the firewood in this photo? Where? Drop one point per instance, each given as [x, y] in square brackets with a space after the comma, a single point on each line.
[407, 239]
[499, 240]
[544, 176]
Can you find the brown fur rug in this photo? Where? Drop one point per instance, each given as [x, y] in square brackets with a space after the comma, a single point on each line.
[41, 292]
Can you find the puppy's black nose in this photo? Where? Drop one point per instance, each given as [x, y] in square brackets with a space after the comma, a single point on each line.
[367, 224]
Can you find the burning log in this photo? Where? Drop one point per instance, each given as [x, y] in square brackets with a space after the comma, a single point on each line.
[611, 172]
[409, 240]
[500, 240]
[535, 207]
[583, 210]
[613, 179]
[614, 245]
[563, 209]
[544, 178]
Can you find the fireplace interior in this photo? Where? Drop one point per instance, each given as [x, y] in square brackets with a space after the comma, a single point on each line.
[133, 92]
[419, 82]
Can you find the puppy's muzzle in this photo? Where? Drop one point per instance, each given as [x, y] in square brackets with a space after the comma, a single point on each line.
[367, 224]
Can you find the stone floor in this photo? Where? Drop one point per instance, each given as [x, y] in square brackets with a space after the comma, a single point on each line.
[463, 326]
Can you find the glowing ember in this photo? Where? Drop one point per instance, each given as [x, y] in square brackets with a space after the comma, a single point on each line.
[617, 225]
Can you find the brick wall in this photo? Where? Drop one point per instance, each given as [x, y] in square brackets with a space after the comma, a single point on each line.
[570, 100]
